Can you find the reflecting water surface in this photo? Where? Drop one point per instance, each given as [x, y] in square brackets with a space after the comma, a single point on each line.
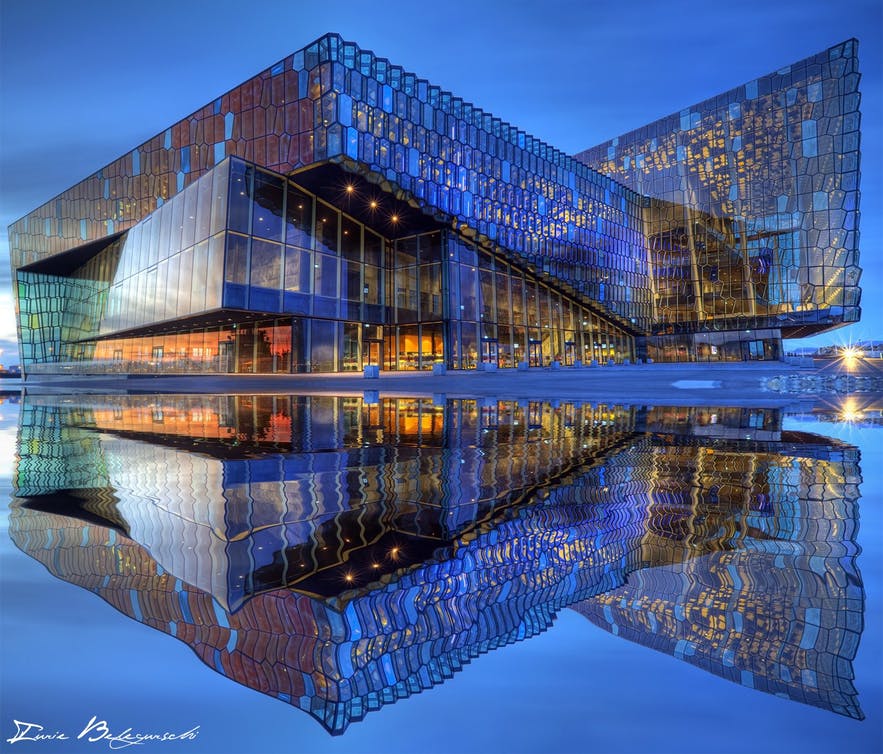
[342, 554]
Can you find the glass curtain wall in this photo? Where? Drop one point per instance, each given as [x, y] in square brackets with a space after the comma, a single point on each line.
[304, 287]
[501, 315]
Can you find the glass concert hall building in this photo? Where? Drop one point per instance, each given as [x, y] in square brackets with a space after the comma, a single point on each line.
[336, 211]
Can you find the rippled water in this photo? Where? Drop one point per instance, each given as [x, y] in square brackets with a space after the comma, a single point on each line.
[330, 574]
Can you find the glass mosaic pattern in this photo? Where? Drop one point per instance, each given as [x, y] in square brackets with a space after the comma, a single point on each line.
[314, 549]
[445, 157]
[752, 219]
[737, 214]
[212, 294]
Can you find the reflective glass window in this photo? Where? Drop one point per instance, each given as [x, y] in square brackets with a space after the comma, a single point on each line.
[157, 303]
[171, 286]
[220, 176]
[298, 218]
[322, 345]
[406, 251]
[350, 239]
[239, 207]
[266, 264]
[325, 268]
[199, 278]
[371, 287]
[298, 269]
[488, 307]
[430, 247]
[164, 217]
[176, 227]
[204, 208]
[373, 248]
[267, 207]
[406, 294]
[352, 281]
[214, 272]
[430, 292]
[327, 222]
[191, 200]
[184, 282]
[236, 265]
[468, 292]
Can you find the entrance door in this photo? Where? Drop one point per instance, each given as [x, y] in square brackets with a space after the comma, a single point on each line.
[569, 353]
[535, 353]
[225, 356]
[490, 351]
[373, 352]
[752, 350]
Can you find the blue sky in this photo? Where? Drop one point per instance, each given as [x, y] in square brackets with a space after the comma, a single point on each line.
[84, 82]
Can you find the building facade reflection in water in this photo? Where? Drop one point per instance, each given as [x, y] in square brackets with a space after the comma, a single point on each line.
[342, 553]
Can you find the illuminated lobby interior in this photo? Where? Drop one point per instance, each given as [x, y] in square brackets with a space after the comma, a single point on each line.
[336, 211]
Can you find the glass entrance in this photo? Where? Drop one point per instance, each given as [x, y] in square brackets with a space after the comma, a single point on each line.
[226, 353]
[372, 352]
[490, 351]
[760, 350]
[569, 352]
[535, 353]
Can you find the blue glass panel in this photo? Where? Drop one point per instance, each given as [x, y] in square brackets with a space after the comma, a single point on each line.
[296, 303]
[334, 141]
[344, 109]
[235, 296]
[324, 307]
[264, 299]
[352, 143]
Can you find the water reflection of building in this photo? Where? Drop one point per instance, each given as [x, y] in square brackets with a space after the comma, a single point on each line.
[771, 598]
[413, 536]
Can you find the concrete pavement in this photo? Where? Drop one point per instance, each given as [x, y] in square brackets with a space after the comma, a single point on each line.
[739, 384]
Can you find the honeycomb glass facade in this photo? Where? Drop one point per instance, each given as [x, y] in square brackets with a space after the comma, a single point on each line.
[336, 212]
[751, 218]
